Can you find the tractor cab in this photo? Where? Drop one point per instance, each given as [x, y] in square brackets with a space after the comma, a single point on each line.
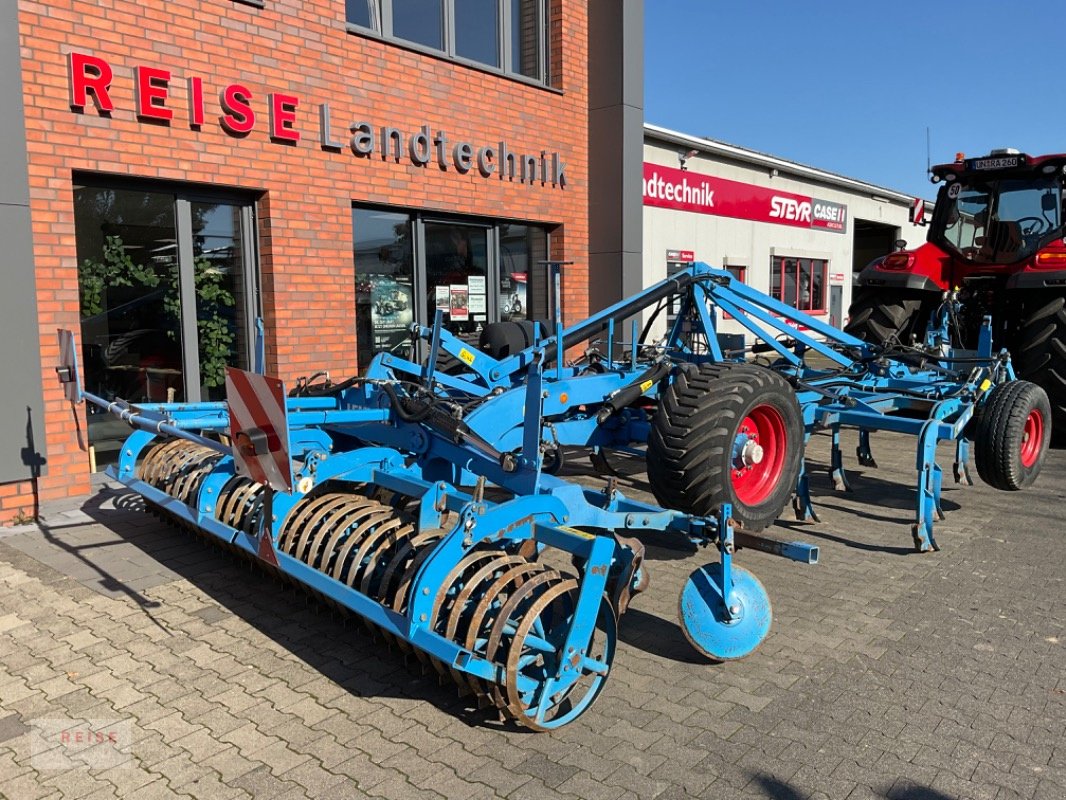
[998, 210]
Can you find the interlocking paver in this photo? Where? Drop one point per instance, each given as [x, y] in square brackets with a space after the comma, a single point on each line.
[887, 674]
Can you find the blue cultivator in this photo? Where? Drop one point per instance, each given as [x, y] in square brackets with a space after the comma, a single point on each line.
[507, 581]
[419, 497]
[719, 429]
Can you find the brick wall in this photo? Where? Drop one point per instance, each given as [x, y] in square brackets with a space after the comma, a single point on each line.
[300, 48]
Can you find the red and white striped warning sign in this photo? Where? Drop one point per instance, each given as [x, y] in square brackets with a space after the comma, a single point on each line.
[259, 428]
[918, 211]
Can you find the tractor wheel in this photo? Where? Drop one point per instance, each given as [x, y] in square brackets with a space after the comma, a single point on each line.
[726, 434]
[1041, 354]
[884, 316]
[1012, 434]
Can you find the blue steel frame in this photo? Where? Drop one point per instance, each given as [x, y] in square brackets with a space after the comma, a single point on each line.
[547, 510]
[925, 396]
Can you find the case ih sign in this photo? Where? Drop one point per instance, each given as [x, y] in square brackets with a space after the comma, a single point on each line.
[162, 97]
[668, 187]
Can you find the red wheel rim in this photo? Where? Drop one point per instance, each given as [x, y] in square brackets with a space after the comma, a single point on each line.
[1032, 437]
[754, 483]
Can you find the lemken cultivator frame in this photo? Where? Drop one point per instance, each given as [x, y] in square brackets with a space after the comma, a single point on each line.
[419, 496]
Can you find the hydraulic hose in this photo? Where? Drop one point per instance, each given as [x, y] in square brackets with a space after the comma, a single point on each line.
[628, 394]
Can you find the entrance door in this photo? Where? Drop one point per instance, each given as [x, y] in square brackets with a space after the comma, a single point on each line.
[166, 283]
[457, 274]
[836, 306]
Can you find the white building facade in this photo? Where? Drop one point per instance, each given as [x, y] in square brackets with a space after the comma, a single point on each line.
[794, 232]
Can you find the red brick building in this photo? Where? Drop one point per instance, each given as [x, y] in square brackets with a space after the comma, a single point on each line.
[335, 169]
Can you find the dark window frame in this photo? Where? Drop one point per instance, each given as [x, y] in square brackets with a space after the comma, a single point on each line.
[815, 305]
[417, 220]
[545, 72]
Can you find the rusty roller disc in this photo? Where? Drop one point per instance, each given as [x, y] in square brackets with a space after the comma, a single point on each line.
[343, 560]
[455, 580]
[295, 524]
[535, 652]
[484, 615]
[463, 605]
[450, 587]
[414, 549]
[236, 502]
[317, 523]
[520, 598]
[375, 578]
[357, 520]
[150, 465]
[369, 561]
[178, 462]
[250, 514]
[341, 524]
[412, 556]
[161, 461]
[187, 486]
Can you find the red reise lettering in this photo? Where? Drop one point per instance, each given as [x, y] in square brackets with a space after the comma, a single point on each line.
[282, 117]
[152, 87]
[239, 118]
[89, 74]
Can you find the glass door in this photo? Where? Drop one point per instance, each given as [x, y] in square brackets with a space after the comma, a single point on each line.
[457, 275]
[220, 293]
[167, 293]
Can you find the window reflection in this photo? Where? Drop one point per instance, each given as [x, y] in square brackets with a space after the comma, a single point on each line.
[218, 274]
[408, 267]
[457, 259]
[384, 288]
[419, 21]
[477, 31]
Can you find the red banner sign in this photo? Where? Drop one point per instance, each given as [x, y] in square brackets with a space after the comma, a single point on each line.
[668, 187]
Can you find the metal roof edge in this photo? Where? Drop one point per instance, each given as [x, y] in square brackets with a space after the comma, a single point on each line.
[781, 164]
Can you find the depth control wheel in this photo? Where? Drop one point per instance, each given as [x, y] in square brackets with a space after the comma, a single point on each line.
[726, 435]
[1011, 435]
[707, 626]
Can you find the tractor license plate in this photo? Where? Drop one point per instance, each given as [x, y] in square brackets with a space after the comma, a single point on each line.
[996, 163]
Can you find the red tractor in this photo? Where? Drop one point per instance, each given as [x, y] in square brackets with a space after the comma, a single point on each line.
[996, 237]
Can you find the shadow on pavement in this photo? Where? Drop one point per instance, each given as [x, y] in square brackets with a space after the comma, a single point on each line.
[336, 645]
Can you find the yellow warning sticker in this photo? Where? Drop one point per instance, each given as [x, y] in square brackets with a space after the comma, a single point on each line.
[466, 356]
[646, 385]
[576, 532]
[986, 384]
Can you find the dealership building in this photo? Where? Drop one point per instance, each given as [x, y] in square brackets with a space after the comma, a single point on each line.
[176, 171]
[181, 175]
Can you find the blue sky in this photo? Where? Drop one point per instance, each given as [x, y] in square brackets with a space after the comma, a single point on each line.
[851, 86]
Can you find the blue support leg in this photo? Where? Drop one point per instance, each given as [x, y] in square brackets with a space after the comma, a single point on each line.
[836, 470]
[930, 478]
[801, 500]
[961, 468]
[863, 451]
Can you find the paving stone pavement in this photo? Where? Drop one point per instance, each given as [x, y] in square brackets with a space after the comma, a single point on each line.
[887, 674]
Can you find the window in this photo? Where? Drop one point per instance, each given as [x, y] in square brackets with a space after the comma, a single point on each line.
[408, 266]
[166, 283]
[740, 273]
[506, 35]
[799, 282]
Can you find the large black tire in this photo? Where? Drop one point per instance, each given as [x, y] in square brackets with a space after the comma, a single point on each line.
[884, 316]
[691, 445]
[1012, 431]
[1040, 351]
